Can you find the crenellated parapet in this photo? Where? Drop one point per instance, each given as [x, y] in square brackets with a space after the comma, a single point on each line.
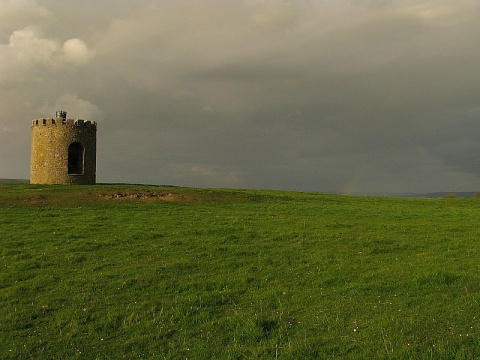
[67, 122]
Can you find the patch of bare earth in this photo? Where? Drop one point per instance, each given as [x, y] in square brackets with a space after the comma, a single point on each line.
[37, 201]
[146, 195]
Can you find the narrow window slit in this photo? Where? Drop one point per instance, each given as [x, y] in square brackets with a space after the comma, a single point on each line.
[75, 159]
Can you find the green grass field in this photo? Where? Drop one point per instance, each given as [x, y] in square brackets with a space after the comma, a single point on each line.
[126, 271]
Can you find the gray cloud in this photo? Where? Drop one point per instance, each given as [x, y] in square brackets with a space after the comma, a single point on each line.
[377, 96]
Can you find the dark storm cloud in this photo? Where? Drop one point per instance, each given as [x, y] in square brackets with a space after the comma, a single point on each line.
[378, 96]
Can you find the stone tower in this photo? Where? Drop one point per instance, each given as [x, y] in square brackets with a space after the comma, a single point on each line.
[63, 151]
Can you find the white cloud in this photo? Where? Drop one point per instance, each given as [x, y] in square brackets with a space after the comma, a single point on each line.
[440, 12]
[273, 14]
[28, 54]
[77, 108]
[28, 48]
[76, 52]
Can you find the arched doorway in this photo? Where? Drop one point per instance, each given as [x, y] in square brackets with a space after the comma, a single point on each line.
[75, 159]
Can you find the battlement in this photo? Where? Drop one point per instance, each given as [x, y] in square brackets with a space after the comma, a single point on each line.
[61, 121]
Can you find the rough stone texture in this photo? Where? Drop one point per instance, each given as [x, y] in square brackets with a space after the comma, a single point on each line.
[51, 139]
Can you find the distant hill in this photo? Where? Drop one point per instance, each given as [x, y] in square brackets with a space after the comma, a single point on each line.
[439, 194]
[18, 181]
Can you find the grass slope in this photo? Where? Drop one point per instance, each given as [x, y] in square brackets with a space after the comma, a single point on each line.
[118, 271]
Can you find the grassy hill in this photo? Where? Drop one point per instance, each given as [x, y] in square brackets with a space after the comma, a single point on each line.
[123, 271]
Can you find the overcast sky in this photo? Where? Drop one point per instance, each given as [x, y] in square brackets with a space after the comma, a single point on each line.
[316, 95]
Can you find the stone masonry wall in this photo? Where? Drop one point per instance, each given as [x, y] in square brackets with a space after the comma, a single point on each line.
[51, 139]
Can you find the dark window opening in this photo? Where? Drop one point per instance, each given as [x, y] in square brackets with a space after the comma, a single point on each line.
[75, 159]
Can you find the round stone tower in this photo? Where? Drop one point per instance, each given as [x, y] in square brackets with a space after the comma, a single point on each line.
[63, 151]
